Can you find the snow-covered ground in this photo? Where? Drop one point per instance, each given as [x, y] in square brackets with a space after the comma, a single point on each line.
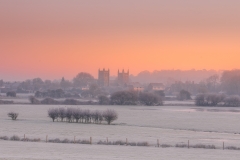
[46, 151]
[169, 124]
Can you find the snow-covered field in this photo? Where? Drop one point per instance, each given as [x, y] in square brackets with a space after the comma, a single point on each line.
[42, 151]
[169, 124]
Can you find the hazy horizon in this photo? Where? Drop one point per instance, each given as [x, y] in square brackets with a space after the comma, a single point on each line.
[144, 76]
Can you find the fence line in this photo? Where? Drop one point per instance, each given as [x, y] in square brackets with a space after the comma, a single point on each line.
[118, 142]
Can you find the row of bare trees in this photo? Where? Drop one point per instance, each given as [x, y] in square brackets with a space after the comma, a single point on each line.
[82, 116]
[215, 99]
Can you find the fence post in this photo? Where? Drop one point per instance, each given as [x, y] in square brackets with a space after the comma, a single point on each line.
[24, 137]
[188, 143]
[46, 138]
[90, 140]
[158, 143]
[223, 145]
[107, 140]
[126, 141]
[74, 139]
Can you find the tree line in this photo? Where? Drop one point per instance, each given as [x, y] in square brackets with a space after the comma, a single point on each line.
[82, 116]
[131, 98]
[116, 98]
[213, 99]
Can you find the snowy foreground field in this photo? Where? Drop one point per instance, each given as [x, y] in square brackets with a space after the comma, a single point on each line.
[170, 124]
[42, 151]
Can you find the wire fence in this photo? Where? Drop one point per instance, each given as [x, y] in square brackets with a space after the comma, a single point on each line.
[120, 142]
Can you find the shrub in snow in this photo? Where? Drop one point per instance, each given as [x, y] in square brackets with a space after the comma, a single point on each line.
[4, 138]
[84, 142]
[31, 140]
[56, 140]
[132, 144]
[204, 146]
[15, 138]
[66, 141]
[118, 143]
[142, 144]
[110, 116]
[232, 148]
[181, 145]
[13, 115]
[165, 145]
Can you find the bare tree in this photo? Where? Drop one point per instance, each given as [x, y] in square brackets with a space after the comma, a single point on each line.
[87, 116]
[69, 114]
[13, 115]
[83, 79]
[61, 113]
[110, 116]
[65, 84]
[37, 83]
[76, 114]
[212, 82]
[83, 116]
[53, 113]
[97, 116]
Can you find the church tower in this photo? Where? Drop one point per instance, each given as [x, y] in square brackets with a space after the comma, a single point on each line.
[103, 77]
[123, 77]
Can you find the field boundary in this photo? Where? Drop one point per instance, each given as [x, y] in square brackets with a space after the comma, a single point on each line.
[125, 142]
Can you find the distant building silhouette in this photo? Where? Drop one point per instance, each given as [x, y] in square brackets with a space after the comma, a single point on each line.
[123, 78]
[103, 77]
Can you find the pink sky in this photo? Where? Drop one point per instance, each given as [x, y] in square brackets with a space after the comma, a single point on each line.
[56, 38]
